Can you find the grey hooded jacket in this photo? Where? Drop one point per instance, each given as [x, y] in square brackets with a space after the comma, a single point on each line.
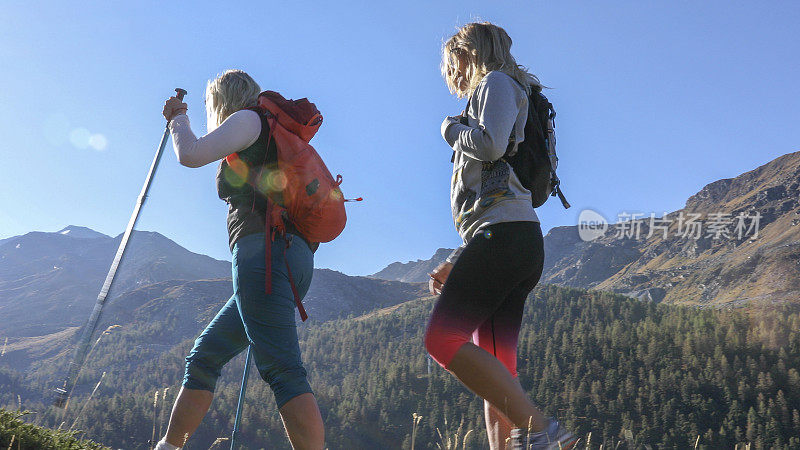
[484, 189]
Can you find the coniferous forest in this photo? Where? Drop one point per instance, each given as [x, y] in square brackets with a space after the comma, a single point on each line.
[618, 371]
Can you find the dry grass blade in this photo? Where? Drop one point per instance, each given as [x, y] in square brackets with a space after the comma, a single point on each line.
[464, 443]
[163, 408]
[219, 440]
[530, 432]
[87, 401]
[155, 414]
[415, 418]
[697, 441]
[12, 441]
[451, 441]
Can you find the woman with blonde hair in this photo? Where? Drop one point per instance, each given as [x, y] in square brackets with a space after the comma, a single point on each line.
[252, 317]
[483, 285]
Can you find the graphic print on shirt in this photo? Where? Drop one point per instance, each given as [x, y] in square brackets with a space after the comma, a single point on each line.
[494, 188]
[494, 182]
[465, 199]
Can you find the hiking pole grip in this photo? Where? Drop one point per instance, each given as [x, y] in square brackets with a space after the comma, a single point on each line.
[179, 93]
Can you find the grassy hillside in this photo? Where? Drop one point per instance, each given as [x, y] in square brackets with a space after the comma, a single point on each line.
[620, 369]
[17, 434]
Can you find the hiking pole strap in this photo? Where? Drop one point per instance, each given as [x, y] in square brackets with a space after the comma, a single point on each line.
[297, 300]
[562, 198]
[270, 238]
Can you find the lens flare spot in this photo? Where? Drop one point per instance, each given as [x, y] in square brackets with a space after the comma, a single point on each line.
[487, 234]
[236, 174]
[98, 142]
[279, 180]
[272, 181]
[79, 137]
[262, 183]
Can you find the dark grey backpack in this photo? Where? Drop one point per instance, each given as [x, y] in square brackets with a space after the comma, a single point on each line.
[535, 160]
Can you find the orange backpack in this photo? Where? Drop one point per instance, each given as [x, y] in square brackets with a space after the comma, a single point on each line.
[301, 188]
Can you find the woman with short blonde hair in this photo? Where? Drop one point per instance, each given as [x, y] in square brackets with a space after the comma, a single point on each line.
[232, 91]
[252, 317]
[484, 283]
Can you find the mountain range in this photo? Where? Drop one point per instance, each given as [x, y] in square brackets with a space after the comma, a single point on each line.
[719, 267]
[49, 283]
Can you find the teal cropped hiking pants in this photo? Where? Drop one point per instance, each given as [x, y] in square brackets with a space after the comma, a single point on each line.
[265, 321]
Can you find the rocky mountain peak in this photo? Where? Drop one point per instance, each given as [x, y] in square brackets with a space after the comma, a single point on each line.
[75, 231]
[775, 181]
[413, 271]
[745, 248]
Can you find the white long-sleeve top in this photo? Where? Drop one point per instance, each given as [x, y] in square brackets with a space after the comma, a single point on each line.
[239, 131]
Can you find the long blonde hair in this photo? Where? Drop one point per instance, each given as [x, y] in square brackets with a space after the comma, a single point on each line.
[487, 47]
[229, 92]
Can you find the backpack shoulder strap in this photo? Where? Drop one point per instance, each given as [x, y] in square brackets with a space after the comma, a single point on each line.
[533, 112]
[271, 155]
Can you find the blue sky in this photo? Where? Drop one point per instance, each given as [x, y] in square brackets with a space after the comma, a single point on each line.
[654, 100]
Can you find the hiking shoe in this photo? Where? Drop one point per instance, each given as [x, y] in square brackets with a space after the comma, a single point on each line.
[164, 445]
[555, 437]
[518, 439]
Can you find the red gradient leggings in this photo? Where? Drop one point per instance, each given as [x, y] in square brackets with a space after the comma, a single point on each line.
[485, 293]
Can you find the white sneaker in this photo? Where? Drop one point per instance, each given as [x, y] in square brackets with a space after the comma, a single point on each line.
[164, 445]
[555, 437]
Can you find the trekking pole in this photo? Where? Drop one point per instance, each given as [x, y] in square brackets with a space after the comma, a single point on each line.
[241, 396]
[63, 394]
